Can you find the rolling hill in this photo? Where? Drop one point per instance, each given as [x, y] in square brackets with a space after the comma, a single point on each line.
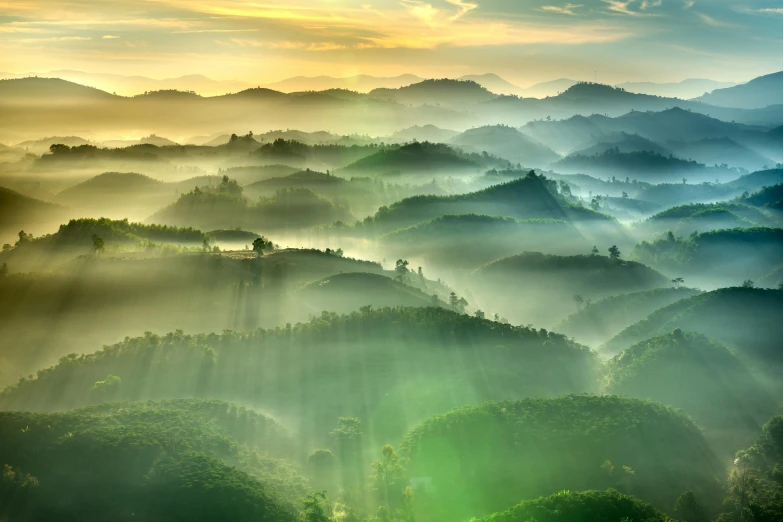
[449, 93]
[484, 458]
[18, 211]
[428, 132]
[758, 93]
[505, 142]
[416, 159]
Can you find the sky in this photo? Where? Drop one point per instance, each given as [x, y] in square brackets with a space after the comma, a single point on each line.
[525, 41]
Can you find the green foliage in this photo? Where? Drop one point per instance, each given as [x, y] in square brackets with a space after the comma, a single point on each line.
[151, 460]
[287, 369]
[585, 506]
[486, 457]
[694, 373]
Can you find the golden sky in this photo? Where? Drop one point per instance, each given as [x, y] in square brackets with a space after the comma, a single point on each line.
[525, 41]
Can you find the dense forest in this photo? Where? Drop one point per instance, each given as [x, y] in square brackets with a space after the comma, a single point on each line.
[425, 300]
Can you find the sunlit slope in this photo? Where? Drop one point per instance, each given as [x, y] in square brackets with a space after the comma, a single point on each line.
[203, 460]
[348, 292]
[699, 376]
[717, 257]
[485, 458]
[118, 195]
[586, 506]
[704, 217]
[469, 240]
[529, 197]
[599, 321]
[539, 288]
[18, 211]
[747, 320]
[390, 367]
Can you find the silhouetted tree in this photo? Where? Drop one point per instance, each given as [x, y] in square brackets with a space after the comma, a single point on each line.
[479, 314]
[315, 508]
[260, 244]
[4, 270]
[401, 268]
[594, 251]
[388, 478]
[748, 284]
[614, 252]
[7, 247]
[677, 281]
[97, 243]
[688, 509]
[579, 300]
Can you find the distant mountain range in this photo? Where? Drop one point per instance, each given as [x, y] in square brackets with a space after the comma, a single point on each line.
[362, 83]
[756, 94]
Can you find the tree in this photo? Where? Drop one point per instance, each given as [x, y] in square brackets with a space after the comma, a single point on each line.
[614, 252]
[462, 304]
[348, 443]
[322, 465]
[401, 267]
[24, 237]
[7, 247]
[453, 301]
[4, 270]
[780, 285]
[594, 251]
[479, 314]
[748, 284]
[435, 300]
[677, 281]
[388, 478]
[57, 148]
[260, 244]
[579, 300]
[625, 195]
[315, 508]
[595, 204]
[97, 243]
[688, 509]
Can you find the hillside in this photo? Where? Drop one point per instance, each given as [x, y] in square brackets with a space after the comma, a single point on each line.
[527, 197]
[699, 376]
[505, 142]
[587, 506]
[191, 458]
[484, 458]
[708, 216]
[428, 132]
[549, 283]
[449, 93]
[389, 367]
[756, 94]
[768, 197]
[117, 195]
[646, 166]
[599, 321]
[746, 320]
[18, 211]
[468, 241]
[347, 292]
[420, 158]
[723, 256]
[721, 151]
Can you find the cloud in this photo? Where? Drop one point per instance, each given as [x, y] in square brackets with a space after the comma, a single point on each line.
[619, 6]
[463, 8]
[712, 22]
[109, 37]
[567, 9]
[58, 39]
[688, 4]
[771, 10]
[647, 4]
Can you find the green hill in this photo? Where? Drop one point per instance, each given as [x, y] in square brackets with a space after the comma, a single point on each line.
[287, 209]
[118, 195]
[539, 288]
[727, 256]
[586, 506]
[470, 240]
[348, 292]
[18, 211]
[698, 375]
[419, 158]
[747, 320]
[150, 461]
[529, 197]
[447, 92]
[483, 458]
[321, 157]
[505, 142]
[599, 321]
[768, 197]
[708, 216]
[390, 367]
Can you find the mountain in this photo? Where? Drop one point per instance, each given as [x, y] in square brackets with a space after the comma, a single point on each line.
[624, 143]
[549, 283]
[493, 83]
[359, 83]
[770, 197]
[49, 91]
[720, 151]
[758, 93]
[698, 375]
[132, 85]
[152, 139]
[428, 132]
[505, 142]
[551, 88]
[18, 212]
[445, 92]
[685, 90]
[42, 145]
[524, 449]
[746, 320]
[599, 321]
